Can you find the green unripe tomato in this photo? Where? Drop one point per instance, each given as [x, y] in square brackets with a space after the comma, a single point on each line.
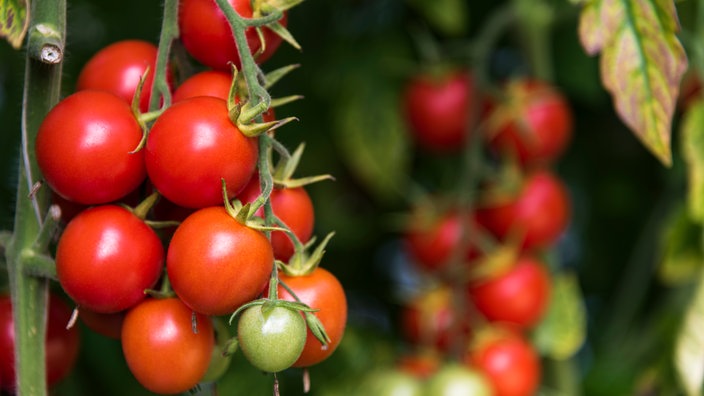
[271, 337]
[218, 362]
[391, 382]
[457, 380]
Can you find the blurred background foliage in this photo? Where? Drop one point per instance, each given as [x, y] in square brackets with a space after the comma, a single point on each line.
[356, 56]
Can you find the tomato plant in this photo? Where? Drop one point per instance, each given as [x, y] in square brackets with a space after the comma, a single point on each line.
[432, 319]
[207, 36]
[215, 264]
[192, 146]
[107, 257]
[62, 345]
[118, 69]
[533, 124]
[322, 291]
[518, 296]
[271, 337]
[162, 349]
[96, 128]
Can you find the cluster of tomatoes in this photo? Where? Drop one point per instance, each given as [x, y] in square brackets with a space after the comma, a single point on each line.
[485, 282]
[171, 203]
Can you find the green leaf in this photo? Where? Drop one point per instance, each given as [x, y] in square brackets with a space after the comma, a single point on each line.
[14, 21]
[563, 329]
[689, 347]
[692, 149]
[451, 17]
[681, 254]
[642, 63]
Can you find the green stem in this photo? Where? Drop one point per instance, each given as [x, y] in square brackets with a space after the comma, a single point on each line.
[536, 17]
[29, 294]
[169, 32]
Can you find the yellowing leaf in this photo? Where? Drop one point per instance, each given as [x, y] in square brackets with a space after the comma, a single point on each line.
[14, 21]
[563, 329]
[689, 347]
[642, 62]
[692, 148]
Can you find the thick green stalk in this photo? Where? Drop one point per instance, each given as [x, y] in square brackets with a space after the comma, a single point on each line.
[30, 293]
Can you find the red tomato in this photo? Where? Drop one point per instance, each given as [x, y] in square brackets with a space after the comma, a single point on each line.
[207, 36]
[518, 297]
[61, 344]
[293, 206]
[510, 364]
[437, 110]
[215, 264]
[107, 257]
[192, 146]
[118, 68]
[83, 148]
[161, 348]
[319, 290]
[431, 319]
[420, 365]
[432, 243]
[534, 124]
[537, 215]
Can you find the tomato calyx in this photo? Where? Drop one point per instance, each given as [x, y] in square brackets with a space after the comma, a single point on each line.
[286, 167]
[303, 263]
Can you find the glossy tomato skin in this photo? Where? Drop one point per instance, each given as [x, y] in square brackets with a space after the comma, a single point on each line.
[215, 264]
[192, 146]
[538, 215]
[160, 347]
[518, 297]
[293, 206]
[432, 243]
[271, 338]
[84, 148]
[509, 362]
[535, 125]
[436, 109]
[319, 290]
[206, 34]
[62, 345]
[107, 257]
[118, 68]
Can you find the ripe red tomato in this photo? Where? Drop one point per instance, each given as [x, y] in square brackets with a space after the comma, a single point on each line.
[437, 110]
[534, 124]
[510, 363]
[61, 344]
[83, 148]
[192, 146]
[207, 36]
[518, 297]
[319, 290]
[160, 347]
[118, 68]
[537, 215]
[107, 257]
[293, 206]
[431, 242]
[431, 319]
[215, 264]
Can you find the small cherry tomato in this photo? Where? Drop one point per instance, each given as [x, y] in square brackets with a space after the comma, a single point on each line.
[192, 146]
[118, 68]
[293, 206]
[216, 264]
[161, 348]
[519, 296]
[534, 124]
[107, 257]
[61, 345]
[319, 290]
[454, 379]
[271, 337]
[390, 382]
[84, 148]
[207, 36]
[537, 216]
